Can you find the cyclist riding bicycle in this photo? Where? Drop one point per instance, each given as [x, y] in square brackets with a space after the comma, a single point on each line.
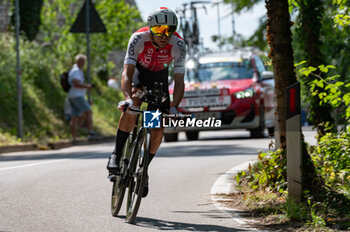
[150, 51]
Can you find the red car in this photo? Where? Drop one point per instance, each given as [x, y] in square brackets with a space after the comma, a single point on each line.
[231, 88]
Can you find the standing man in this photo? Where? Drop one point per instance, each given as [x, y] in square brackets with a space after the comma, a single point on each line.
[150, 51]
[76, 95]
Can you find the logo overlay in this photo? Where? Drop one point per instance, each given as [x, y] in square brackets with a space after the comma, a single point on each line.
[188, 120]
[151, 119]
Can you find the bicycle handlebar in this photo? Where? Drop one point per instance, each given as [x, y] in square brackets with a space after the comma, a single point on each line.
[155, 97]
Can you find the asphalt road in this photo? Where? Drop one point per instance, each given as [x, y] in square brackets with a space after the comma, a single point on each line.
[67, 190]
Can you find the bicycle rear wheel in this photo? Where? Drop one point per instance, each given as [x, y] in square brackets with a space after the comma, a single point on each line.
[121, 181]
[138, 173]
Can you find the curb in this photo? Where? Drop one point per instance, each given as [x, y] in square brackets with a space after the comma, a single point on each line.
[53, 145]
[15, 148]
[226, 185]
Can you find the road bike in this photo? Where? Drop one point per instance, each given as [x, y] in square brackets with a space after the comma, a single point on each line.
[135, 158]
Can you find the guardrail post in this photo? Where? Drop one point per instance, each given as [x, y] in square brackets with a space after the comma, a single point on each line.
[294, 146]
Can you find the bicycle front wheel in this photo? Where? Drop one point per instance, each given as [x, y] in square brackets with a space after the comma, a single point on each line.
[138, 168]
[121, 181]
[118, 192]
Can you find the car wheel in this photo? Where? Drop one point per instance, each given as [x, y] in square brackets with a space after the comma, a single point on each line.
[259, 132]
[271, 131]
[192, 135]
[170, 137]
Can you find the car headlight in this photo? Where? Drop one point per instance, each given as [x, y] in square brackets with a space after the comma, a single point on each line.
[190, 64]
[245, 93]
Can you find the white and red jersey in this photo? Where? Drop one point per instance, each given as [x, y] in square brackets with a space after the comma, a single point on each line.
[141, 50]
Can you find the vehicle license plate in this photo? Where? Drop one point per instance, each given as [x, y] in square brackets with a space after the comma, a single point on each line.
[206, 115]
[205, 101]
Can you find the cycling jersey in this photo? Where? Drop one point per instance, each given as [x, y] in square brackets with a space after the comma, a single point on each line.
[141, 50]
[146, 78]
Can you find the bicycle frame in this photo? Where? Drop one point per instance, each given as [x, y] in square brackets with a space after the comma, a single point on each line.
[135, 162]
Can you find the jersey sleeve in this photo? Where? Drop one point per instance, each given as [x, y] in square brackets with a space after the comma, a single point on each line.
[179, 53]
[135, 46]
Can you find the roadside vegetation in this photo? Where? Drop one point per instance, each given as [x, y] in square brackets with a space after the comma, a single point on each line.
[323, 71]
[47, 49]
[263, 188]
[43, 97]
[320, 45]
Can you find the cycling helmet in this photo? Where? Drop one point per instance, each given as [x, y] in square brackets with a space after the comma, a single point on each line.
[162, 16]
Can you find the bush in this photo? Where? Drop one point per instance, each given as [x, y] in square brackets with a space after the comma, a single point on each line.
[268, 173]
[329, 207]
[42, 95]
[332, 161]
[41, 65]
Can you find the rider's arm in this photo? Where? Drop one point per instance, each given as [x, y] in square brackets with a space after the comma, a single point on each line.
[178, 89]
[126, 82]
[179, 51]
[135, 46]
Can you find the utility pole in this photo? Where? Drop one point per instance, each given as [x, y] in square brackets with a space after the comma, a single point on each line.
[233, 26]
[18, 75]
[88, 21]
[219, 29]
[88, 45]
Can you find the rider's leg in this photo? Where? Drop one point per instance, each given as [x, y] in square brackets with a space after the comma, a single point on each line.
[126, 125]
[122, 135]
[156, 139]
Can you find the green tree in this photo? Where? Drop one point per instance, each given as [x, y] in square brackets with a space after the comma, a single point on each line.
[279, 38]
[320, 36]
[309, 28]
[119, 18]
[241, 5]
[29, 11]
[281, 52]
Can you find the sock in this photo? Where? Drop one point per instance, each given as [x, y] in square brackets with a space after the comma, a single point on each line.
[151, 156]
[119, 143]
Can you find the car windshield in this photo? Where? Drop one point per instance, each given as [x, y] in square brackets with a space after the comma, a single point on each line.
[225, 71]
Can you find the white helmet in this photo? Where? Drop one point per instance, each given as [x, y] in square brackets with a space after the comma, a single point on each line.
[162, 16]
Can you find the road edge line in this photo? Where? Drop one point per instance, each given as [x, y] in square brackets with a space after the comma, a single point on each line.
[225, 185]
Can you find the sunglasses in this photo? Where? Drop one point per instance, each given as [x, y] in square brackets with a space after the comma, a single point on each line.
[161, 30]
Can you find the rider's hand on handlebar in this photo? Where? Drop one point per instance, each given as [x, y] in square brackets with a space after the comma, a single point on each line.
[123, 105]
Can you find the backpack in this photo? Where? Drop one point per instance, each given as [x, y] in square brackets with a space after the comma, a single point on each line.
[64, 81]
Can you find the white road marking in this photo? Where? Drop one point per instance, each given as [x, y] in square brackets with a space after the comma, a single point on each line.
[42, 162]
[225, 185]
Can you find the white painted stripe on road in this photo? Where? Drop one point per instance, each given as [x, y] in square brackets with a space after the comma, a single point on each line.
[43, 162]
[29, 165]
[229, 213]
[225, 184]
